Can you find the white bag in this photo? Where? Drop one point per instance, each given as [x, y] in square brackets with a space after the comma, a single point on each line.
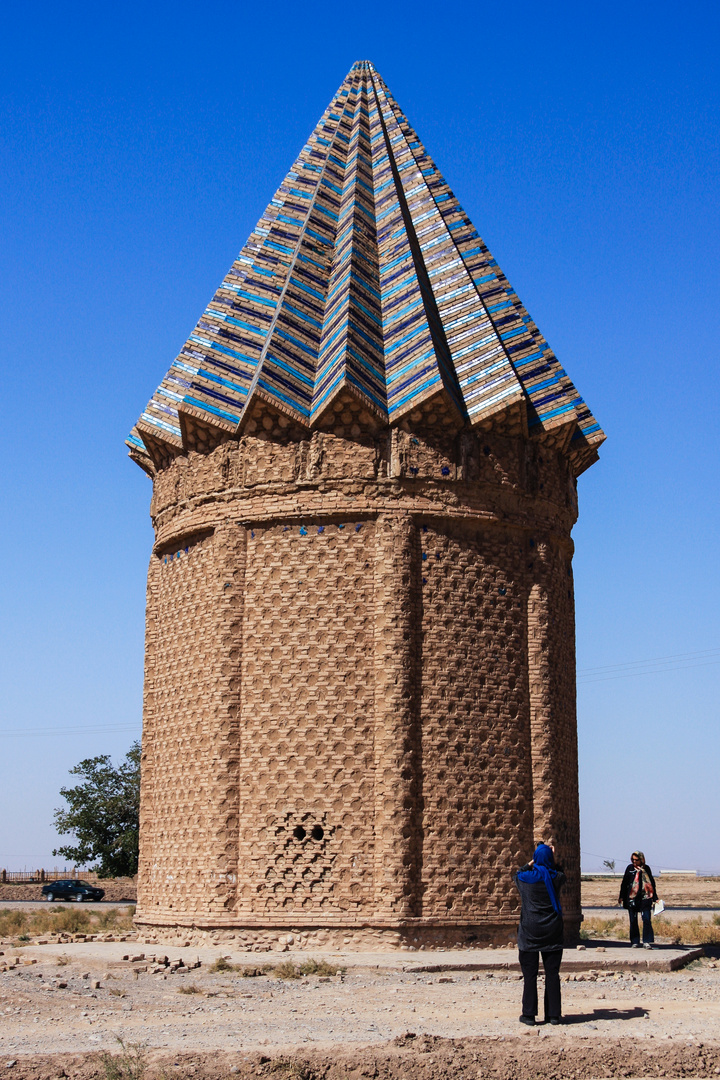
[658, 907]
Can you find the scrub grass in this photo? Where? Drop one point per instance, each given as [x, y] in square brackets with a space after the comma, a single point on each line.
[130, 1064]
[694, 931]
[289, 970]
[62, 920]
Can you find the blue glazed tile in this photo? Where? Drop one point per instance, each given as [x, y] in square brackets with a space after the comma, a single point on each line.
[274, 327]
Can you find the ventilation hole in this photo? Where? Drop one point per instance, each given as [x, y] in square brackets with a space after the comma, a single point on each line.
[317, 832]
[299, 833]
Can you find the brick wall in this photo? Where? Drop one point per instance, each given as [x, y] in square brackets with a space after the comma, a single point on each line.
[359, 699]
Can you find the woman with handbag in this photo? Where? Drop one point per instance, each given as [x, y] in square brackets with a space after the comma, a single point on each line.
[637, 895]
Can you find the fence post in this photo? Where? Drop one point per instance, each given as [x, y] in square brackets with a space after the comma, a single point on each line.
[4, 875]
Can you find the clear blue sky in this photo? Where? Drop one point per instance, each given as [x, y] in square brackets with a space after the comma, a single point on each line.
[139, 143]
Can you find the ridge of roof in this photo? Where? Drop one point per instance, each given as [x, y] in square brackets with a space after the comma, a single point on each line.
[364, 276]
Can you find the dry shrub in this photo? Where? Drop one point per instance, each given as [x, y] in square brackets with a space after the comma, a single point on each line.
[319, 967]
[694, 931]
[66, 921]
[191, 989]
[222, 964]
[289, 970]
[109, 918]
[129, 1064]
[62, 920]
[601, 928]
[286, 969]
[12, 922]
[292, 1070]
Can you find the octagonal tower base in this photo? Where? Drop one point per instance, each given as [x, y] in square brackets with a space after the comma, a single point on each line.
[359, 708]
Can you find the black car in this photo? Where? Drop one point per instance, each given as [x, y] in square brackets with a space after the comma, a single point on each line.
[71, 890]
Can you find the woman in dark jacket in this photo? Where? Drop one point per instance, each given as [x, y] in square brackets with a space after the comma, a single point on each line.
[540, 931]
[638, 894]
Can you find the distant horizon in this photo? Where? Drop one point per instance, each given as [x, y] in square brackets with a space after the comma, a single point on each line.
[32, 867]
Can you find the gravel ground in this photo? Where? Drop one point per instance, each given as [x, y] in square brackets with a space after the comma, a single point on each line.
[373, 1021]
[353, 1021]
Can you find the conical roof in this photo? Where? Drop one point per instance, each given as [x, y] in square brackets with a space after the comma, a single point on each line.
[364, 276]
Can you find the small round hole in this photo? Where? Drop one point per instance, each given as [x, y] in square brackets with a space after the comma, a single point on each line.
[317, 832]
[299, 833]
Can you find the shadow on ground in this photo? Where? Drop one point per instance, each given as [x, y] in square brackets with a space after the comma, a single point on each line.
[605, 1014]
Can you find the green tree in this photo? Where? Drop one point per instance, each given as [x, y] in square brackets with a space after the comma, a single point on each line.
[103, 814]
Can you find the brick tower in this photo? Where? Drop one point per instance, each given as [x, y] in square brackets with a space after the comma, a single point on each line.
[359, 705]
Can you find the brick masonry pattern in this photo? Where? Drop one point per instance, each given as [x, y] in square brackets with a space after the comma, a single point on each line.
[360, 696]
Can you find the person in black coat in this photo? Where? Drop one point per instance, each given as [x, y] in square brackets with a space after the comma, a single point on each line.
[540, 931]
[638, 894]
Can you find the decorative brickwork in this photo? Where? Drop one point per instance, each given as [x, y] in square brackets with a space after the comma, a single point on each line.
[360, 689]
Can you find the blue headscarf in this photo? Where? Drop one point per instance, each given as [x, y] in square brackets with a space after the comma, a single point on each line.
[543, 870]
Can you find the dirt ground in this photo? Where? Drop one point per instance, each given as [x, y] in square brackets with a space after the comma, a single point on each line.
[63, 1016]
[59, 1015]
[410, 1058]
[676, 891]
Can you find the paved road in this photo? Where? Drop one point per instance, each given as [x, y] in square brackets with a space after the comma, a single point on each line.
[675, 913]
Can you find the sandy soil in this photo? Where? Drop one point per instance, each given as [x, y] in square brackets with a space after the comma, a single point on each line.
[55, 1017]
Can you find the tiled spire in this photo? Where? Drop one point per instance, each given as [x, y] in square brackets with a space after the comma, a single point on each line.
[364, 276]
